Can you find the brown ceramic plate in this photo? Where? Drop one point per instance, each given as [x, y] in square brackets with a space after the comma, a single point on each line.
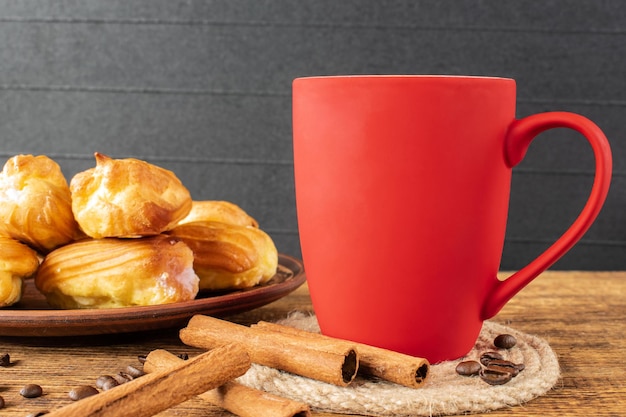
[33, 317]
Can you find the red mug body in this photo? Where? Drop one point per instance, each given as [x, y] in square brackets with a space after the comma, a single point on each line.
[402, 190]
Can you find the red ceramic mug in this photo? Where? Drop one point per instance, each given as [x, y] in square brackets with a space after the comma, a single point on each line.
[402, 192]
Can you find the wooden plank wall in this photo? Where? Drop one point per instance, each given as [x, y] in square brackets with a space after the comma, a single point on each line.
[204, 88]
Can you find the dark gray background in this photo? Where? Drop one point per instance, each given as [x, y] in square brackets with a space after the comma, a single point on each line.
[204, 88]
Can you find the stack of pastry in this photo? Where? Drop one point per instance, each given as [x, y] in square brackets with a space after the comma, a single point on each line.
[124, 233]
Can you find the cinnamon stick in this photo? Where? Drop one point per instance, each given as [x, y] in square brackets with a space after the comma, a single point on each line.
[234, 397]
[402, 369]
[152, 393]
[334, 363]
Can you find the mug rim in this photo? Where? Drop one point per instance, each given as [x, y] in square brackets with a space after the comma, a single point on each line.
[406, 76]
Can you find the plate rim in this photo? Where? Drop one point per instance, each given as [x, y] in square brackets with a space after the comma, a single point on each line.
[75, 322]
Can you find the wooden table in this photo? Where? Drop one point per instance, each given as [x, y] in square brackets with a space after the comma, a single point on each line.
[581, 314]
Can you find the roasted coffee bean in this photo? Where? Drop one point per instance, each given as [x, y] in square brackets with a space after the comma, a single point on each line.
[468, 368]
[106, 381]
[505, 341]
[503, 366]
[134, 372]
[101, 380]
[494, 377]
[81, 392]
[126, 376]
[31, 391]
[519, 367]
[487, 357]
[5, 360]
[122, 378]
[107, 385]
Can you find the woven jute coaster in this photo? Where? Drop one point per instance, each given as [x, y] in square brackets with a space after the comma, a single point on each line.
[444, 393]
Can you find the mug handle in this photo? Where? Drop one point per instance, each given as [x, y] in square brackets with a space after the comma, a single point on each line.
[518, 138]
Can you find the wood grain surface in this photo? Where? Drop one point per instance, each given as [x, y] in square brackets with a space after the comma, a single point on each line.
[581, 314]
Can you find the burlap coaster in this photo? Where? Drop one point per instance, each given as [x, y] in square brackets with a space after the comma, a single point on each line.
[444, 393]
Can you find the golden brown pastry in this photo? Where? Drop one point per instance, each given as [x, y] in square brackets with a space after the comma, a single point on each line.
[228, 256]
[112, 272]
[17, 262]
[35, 203]
[218, 211]
[127, 198]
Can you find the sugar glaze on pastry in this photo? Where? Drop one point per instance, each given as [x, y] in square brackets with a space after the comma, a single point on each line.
[127, 198]
[219, 211]
[114, 272]
[228, 256]
[35, 203]
[17, 262]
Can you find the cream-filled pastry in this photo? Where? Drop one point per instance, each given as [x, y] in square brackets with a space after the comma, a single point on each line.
[35, 203]
[17, 262]
[113, 272]
[127, 198]
[228, 256]
[219, 211]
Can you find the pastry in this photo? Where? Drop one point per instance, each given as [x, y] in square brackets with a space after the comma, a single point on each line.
[113, 272]
[17, 262]
[127, 198]
[35, 203]
[228, 256]
[219, 211]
